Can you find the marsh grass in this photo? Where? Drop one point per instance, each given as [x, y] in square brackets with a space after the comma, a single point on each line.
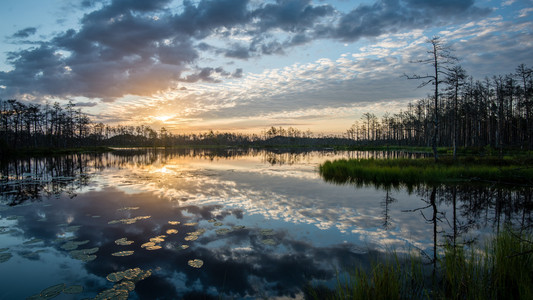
[501, 269]
[395, 172]
[504, 270]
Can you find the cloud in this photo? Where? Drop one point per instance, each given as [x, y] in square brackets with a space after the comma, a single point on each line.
[392, 16]
[290, 15]
[144, 47]
[24, 33]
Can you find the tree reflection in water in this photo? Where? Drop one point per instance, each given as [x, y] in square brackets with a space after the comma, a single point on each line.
[238, 261]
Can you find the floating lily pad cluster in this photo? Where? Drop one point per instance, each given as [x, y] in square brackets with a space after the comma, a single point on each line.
[174, 222]
[72, 245]
[84, 255]
[222, 231]
[123, 253]
[123, 242]
[32, 241]
[266, 237]
[56, 290]
[193, 236]
[31, 254]
[125, 283]
[172, 231]
[196, 263]
[5, 256]
[154, 243]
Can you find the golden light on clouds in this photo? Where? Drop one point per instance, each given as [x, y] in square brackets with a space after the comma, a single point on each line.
[163, 118]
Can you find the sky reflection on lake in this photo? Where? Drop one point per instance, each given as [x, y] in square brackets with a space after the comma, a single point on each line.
[261, 223]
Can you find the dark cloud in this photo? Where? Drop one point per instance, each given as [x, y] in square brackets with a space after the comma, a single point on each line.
[390, 16]
[200, 20]
[290, 15]
[238, 51]
[24, 33]
[205, 74]
[237, 73]
[141, 47]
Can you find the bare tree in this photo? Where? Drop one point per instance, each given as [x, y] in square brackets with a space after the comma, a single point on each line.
[441, 59]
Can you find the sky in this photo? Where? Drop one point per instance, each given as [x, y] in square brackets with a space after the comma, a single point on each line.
[246, 65]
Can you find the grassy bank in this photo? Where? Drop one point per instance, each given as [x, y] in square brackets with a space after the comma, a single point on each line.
[503, 269]
[415, 171]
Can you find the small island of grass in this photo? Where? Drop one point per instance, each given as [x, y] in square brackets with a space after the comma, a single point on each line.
[427, 171]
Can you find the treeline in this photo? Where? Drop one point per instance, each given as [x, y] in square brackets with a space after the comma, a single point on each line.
[33, 126]
[495, 112]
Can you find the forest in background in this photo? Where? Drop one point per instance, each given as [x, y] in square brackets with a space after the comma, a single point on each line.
[493, 112]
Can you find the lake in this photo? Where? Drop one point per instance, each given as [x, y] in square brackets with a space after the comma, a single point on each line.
[202, 224]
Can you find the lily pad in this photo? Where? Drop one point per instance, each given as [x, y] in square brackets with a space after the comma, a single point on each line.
[115, 277]
[267, 232]
[123, 242]
[191, 238]
[112, 294]
[131, 274]
[172, 231]
[148, 244]
[238, 227]
[184, 247]
[32, 241]
[196, 263]
[72, 228]
[222, 231]
[73, 289]
[5, 256]
[126, 285]
[212, 221]
[122, 253]
[52, 291]
[151, 248]
[84, 255]
[269, 242]
[158, 239]
[190, 224]
[218, 224]
[72, 245]
[197, 232]
[174, 222]
[31, 254]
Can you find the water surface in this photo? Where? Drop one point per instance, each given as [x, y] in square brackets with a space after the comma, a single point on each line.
[218, 223]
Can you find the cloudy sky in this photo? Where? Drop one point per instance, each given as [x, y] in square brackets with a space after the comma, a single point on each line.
[245, 65]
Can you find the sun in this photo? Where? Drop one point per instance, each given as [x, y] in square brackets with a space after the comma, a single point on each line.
[163, 118]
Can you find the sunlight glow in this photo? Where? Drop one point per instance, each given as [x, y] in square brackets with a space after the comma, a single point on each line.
[163, 118]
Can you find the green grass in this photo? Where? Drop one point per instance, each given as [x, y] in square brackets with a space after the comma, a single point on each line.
[502, 269]
[387, 172]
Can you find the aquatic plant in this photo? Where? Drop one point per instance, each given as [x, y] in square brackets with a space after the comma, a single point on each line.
[502, 269]
[393, 172]
[196, 263]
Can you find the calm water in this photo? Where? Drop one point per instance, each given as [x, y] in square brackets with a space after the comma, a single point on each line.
[221, 224]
